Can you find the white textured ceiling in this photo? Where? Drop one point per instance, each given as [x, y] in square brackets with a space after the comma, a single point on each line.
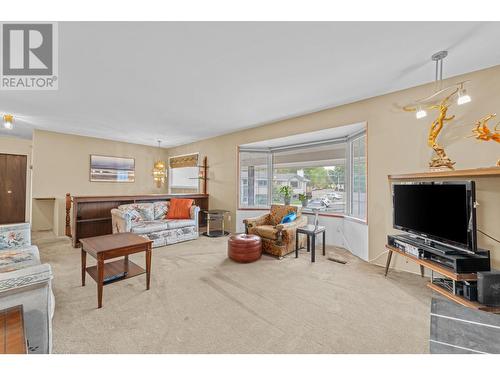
[181, 82]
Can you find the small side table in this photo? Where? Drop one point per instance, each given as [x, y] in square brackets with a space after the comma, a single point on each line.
[216, 216]
[310, 231]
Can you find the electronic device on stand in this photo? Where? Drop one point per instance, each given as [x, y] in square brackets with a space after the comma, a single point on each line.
[440, 221]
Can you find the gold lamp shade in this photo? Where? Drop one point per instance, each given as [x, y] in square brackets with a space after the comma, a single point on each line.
[159, 170]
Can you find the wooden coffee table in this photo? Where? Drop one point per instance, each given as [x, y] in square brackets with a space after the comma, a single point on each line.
[112, 246]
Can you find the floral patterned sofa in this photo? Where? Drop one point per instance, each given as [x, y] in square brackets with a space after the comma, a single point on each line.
[277, 239]
[148, 220]
[25, 281]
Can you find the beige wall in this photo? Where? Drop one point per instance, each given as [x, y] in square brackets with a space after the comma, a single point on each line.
[396, 144]
[20, 146]
[61, 165]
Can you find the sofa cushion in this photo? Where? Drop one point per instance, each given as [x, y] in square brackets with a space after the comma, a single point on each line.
[265, 231]
[19, 258]
[180, 208]
[160, 209]
[145, 210]
[180, 223]
[15, 235]
[144, 227]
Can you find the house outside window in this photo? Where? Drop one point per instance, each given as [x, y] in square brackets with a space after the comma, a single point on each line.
[331, 174]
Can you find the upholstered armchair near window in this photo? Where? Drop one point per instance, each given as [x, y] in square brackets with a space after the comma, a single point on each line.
[277, 239]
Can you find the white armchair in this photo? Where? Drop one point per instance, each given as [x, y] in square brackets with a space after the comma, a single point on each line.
[25, 281]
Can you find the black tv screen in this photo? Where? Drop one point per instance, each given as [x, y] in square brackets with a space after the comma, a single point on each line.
[440, 211]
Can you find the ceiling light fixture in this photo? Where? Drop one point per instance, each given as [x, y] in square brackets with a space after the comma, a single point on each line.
[421, 113]
[420, 106]
[159, 170]
[463, 97]
[7, 121]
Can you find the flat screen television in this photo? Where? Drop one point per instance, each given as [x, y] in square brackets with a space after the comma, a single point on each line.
[443, 212]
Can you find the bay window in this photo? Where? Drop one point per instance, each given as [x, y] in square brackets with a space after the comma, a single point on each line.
[327, 173]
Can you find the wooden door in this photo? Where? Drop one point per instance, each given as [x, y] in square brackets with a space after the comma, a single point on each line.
[12, 188]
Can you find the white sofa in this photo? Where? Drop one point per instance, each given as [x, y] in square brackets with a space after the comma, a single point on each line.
[25, 281]
[148, 220]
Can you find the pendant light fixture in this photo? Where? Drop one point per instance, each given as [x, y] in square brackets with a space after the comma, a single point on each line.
[7, 121]
[420, 106]
[159, 170]
[463, 97]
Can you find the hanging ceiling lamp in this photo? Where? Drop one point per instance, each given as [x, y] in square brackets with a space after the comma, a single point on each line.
[159, 170]
[7, 121]
[419, 106]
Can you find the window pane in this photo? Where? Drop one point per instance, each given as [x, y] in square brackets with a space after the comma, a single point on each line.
[186, 177]
[358, 201]
[316, 171]
[253, 179]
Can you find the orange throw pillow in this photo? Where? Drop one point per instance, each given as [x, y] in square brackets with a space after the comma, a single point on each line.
[179, 208]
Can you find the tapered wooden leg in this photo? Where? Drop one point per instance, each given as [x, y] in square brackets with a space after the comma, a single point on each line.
[84, 266]
[125, 264]
[100, 281]
[389, 256]
[422, 271]
[148, 267]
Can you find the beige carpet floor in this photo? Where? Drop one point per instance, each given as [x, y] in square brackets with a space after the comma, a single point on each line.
[201, 302]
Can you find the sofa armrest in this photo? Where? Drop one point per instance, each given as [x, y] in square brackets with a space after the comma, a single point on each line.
[194, 213]
[41, 273]
[253, 222]
[121, 221]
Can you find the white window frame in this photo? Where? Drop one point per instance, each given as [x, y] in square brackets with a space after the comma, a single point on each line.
[348, 178]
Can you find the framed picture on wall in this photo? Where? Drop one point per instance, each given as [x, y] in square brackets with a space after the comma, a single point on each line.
[111, 169]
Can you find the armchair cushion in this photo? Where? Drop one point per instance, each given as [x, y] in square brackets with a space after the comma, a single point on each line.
[15, 235]
[264, 231]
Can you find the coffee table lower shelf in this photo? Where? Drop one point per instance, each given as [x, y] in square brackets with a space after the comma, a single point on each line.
[115, 268]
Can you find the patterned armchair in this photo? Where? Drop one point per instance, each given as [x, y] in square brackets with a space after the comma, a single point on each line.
[277, 239]
[24, 280]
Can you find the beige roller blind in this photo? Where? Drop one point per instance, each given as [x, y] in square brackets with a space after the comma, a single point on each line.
[183, 161]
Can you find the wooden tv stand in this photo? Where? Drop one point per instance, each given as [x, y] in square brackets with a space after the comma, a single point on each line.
[435, 267]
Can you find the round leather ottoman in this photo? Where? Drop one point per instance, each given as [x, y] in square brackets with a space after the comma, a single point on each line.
[244, 248]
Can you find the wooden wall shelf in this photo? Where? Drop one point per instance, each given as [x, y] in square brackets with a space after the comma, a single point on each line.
[475, 172]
